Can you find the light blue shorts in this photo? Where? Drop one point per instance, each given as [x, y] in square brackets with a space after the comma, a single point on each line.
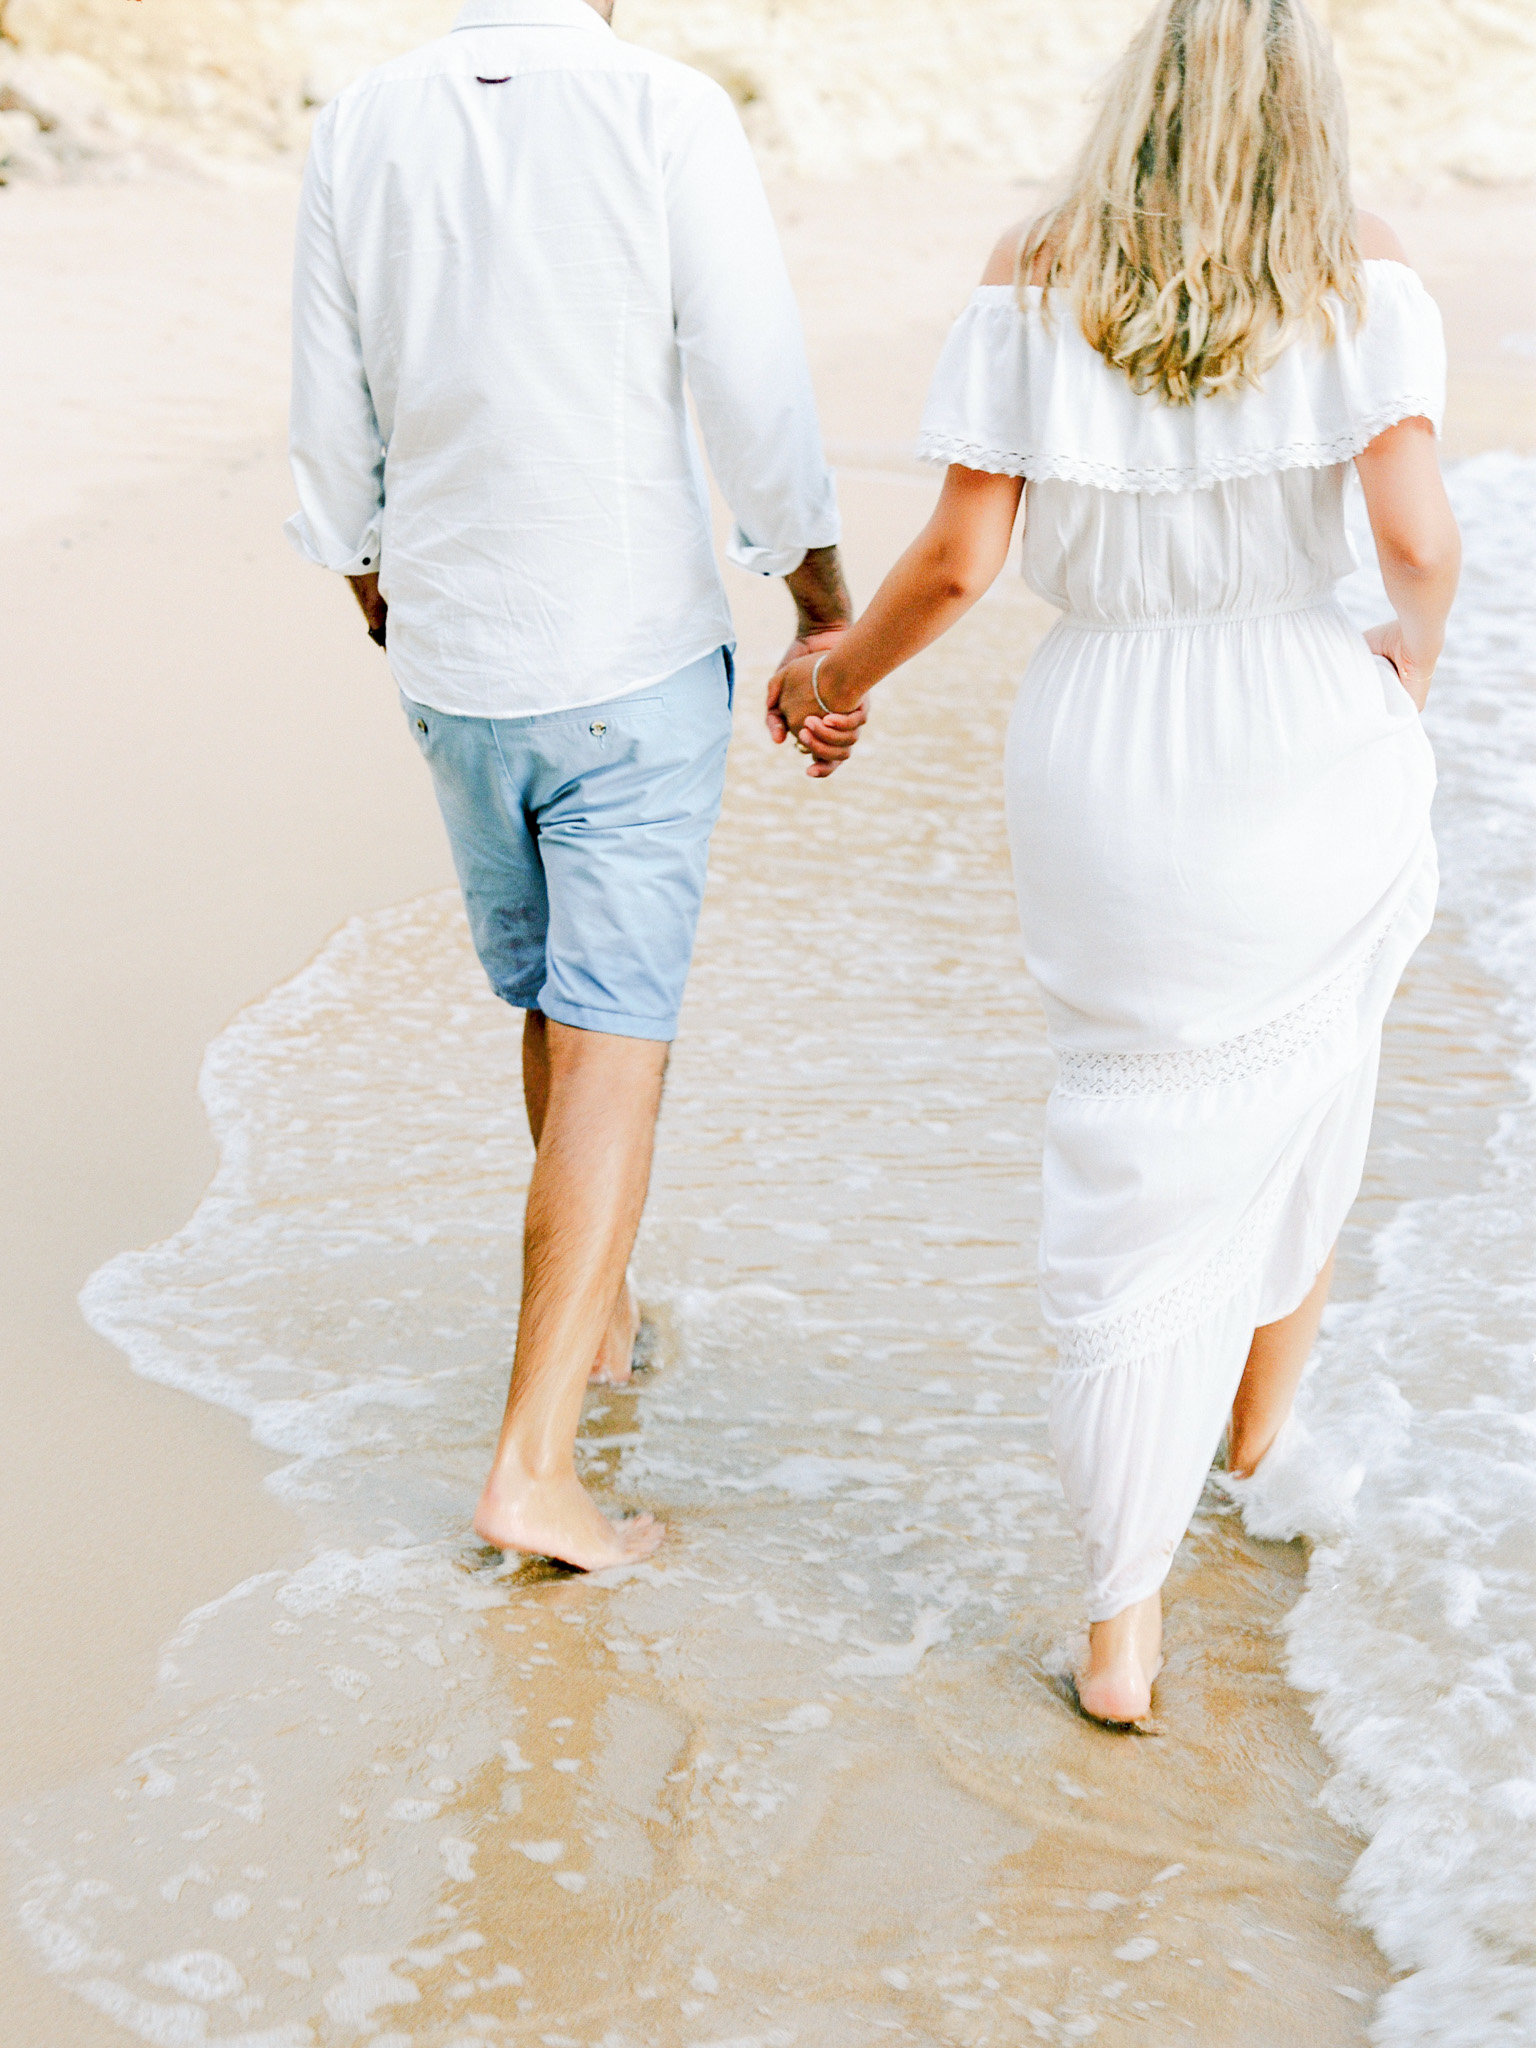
[581, 840]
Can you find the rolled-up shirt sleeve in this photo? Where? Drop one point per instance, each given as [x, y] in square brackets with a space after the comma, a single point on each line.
[743, 347]
[334, 442]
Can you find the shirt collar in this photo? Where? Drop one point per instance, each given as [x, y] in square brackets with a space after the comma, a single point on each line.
[530, 14]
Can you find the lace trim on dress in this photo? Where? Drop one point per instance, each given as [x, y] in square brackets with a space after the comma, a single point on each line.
[1152, 1326]
[1234, 1059]
[1038, 466]
[1134, 1335]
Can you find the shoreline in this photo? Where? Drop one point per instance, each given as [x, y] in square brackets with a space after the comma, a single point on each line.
[150, 904]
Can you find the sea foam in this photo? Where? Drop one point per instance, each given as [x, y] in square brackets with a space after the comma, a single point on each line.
[1411, 1462]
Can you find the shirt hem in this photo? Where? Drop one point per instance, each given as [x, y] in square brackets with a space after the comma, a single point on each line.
[444, 700]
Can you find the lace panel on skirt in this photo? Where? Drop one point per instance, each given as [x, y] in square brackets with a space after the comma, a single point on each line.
[1233, 1059]
[1149, 1328]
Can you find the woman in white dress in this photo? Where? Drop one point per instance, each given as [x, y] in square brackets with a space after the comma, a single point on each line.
[1218, 793]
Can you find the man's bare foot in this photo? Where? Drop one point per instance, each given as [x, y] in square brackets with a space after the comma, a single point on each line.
[1125, 1656]
[616, 1354]
[558, 1518]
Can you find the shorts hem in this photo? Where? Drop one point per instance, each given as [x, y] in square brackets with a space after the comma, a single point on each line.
[660, 1030]
[517, 999]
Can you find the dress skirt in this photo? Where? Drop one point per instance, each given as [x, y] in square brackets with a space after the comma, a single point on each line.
[1222, 849]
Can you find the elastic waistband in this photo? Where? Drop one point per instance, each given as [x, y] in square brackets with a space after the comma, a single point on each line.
[1075, 622]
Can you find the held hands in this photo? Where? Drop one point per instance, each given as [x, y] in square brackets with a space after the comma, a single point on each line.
[827, 738]
[824, 613]
[1415, 675]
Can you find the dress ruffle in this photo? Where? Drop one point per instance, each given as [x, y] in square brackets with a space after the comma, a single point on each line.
[1018, 393]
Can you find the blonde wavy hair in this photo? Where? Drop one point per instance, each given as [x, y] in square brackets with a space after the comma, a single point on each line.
[1209, 217]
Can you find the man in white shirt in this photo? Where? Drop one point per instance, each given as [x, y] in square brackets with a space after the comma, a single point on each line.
[516, 248]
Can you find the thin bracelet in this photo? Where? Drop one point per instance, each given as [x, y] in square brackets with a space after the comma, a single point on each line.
[826, 708]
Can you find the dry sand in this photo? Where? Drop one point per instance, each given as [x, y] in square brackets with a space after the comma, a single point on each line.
[1438, 88]
[204, 775]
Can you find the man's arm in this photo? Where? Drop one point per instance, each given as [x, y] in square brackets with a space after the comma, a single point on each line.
[743, 350]
[823, 606]
[370, 603]
[334, 441]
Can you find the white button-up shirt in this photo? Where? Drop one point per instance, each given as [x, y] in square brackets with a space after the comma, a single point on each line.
[515, 246]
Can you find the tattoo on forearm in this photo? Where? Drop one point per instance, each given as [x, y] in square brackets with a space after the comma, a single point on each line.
[820, 591]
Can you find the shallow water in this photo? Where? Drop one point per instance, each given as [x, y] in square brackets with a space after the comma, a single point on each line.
[1414, 1467]
[812, 1776]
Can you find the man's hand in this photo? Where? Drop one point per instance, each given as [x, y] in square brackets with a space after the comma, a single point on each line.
[828, 737]
[366, 590]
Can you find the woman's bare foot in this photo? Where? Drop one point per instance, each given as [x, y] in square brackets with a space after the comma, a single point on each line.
[616, 1353]
[558, 1518]
[1125, 1656]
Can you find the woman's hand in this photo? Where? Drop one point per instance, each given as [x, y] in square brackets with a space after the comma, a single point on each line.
[1415, 676]
[1417, 546]
[828, 738]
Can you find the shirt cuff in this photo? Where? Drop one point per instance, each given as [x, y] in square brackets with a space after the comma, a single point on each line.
[363, 562]
[746, 554]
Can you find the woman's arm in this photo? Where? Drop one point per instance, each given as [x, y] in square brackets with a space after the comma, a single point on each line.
[954, 561]
[1417, 545]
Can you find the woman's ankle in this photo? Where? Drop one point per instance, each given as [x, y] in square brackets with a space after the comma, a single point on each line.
[1124, 1658]
[1132, 1635]
[1248, 1447]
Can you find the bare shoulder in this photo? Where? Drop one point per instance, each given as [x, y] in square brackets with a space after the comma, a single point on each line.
[1003, 265]
[1378, 239]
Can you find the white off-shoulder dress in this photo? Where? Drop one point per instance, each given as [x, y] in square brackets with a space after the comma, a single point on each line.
[1219, 808]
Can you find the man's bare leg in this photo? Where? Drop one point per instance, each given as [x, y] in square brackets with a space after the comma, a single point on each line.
[1276, 1361]
[615, 1354]
[1125, 1654]
[615, 1366]
[595, 1097]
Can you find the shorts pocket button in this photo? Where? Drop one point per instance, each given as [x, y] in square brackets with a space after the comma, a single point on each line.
[421, 725]
[597, 728]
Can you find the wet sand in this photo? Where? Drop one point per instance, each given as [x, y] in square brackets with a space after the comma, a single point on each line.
[205, 777]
